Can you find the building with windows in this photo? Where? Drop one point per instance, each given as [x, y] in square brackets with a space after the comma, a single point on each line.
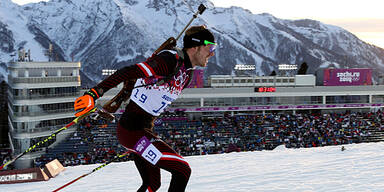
[264, 94]
[40, 101]
[283, 99]
[333, 89]
[222, 81]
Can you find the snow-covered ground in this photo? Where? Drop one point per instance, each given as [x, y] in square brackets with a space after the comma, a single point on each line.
[359, 168]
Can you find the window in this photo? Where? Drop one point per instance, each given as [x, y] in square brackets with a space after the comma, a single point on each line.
[377, 98]
[347, 99]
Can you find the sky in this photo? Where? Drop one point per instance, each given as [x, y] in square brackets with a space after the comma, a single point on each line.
[365, 18]
[322, 169]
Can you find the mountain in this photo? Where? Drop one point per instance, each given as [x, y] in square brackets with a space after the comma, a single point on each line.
[109, 34]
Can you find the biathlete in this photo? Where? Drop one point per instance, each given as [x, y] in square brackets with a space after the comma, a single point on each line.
[158, 82]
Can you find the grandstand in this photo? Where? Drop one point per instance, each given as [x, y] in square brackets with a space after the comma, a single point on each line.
[95, 141]
[236, 116]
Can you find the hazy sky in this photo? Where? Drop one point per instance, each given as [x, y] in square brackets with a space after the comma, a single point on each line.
[365, 18]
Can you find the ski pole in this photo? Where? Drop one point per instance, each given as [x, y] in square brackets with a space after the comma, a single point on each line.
[75, 121]
[95, 169]
[172, 41]
[200, 11]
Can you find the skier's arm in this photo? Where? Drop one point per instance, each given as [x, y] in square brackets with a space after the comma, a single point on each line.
[125, 73]
[155, 66]
[158, 65]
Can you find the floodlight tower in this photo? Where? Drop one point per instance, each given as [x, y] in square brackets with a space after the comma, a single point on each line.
[287, 69]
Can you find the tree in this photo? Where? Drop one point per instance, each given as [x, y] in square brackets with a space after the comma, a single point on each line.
[4, 141]
[303, 69]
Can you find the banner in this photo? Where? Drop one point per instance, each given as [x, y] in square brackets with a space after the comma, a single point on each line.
[197, 80]
[347, 77]
[22, 176]
[277, 107]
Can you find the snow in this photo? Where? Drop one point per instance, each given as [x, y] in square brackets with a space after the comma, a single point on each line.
[359, 168]
[17, 23]
[71, 16]
[327, 64]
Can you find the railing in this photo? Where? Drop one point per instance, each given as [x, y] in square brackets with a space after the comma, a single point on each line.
[45, 112]
[48, 79]
[40, 129]
[43, 96]
[276, 107]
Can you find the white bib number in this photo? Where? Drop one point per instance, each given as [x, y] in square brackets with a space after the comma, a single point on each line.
[153, 100]
[148, 151]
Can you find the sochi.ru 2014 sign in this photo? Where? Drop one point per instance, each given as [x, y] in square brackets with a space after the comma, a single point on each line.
[17, 177]
[347, 77]
[22, 175]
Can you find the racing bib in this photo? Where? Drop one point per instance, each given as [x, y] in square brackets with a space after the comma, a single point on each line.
[155, 98]
[147, 150]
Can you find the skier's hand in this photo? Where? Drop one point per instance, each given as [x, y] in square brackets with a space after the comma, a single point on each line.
[86, 102]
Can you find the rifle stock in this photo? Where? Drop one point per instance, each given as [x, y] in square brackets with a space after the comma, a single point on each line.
[168, 44]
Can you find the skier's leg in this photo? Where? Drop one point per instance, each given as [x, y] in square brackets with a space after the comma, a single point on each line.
[169, 161]
[175, 164]
[149, 174]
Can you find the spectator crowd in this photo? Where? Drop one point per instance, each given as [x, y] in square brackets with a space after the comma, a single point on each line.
[95, 140]
[265, 132]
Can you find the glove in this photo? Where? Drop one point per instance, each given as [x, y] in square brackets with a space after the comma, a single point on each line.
[86, 102]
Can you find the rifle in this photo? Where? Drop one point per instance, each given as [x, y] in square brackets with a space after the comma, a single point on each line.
[112, 105]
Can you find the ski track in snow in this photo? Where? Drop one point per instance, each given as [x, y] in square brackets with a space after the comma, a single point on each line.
[359, 168]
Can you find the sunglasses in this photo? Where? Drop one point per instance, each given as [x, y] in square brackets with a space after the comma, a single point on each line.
[212, 46]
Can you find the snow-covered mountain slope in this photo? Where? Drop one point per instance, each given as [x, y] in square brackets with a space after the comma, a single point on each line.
[108, 34]
[15, 32]
[14, 35]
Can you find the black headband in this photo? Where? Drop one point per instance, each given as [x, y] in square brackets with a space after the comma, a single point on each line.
[197, 39]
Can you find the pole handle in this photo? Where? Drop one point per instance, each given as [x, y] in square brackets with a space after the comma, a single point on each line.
[200, 11]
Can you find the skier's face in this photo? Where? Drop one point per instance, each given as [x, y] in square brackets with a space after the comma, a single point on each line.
[203, 53]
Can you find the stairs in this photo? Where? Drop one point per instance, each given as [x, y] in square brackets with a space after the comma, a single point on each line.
[376, 135]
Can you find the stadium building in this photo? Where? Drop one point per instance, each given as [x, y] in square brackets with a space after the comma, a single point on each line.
[339, 90]
[40, 101]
